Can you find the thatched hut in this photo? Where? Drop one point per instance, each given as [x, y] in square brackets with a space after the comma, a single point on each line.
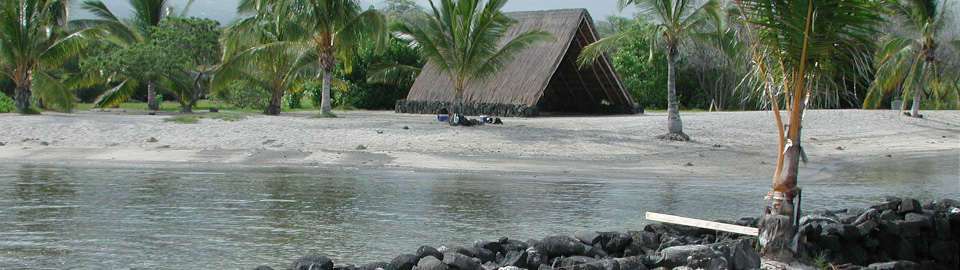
[543, 79]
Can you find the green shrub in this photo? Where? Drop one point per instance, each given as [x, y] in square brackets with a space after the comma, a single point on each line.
[6, 103]
[245, 96]
[293, 100]
[374, 96]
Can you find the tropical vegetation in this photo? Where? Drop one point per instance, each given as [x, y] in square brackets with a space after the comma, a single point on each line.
[177, 57]
[671, 54]
[907, 63]
[122, 33]
[676, 20]
[33, 43]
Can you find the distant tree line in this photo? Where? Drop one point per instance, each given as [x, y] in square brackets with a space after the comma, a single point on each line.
[348, 60]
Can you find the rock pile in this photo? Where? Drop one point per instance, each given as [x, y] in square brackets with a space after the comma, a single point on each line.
[899, 233]
[897, 229]
[659, 245]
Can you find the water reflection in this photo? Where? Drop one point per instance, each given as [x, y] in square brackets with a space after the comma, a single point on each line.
[108, 218]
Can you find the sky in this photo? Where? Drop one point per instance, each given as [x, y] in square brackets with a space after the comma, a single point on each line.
[224, 10]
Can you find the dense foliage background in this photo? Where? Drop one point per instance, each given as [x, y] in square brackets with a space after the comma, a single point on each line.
[712, 69]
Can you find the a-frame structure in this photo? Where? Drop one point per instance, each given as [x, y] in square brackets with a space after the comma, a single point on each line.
[543, 78]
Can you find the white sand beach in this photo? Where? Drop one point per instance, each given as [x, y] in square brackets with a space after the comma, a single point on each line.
[725, 145]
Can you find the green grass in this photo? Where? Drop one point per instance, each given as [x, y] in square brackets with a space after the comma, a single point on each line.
[194, 118]
[818, 260]
[202, 105]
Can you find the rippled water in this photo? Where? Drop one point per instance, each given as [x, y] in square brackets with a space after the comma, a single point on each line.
[82, 217]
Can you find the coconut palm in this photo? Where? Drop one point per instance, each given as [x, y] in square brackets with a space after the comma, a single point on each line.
[124, 33]
[460, 38]
[266, 52]
[334, 31]
[32, 43]
[796, 46]
[677, 20]
[908, 62]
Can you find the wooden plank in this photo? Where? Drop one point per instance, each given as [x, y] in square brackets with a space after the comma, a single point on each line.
[703, 223]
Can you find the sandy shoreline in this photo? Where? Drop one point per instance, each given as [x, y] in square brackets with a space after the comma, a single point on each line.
[726, 145]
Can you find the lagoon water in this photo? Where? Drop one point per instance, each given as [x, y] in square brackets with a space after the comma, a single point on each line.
[112, 217]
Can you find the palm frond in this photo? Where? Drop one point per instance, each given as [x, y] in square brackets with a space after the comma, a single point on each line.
[118, 94]
[608, 44]
[393, 73]
[147, 13]
[186, 8]
[99, 10]
[53, 92]
[368, 25]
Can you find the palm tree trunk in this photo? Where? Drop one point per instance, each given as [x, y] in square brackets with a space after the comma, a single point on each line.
[778, 228]
[21, 97]
[273, 107]
[152, 97]
[325, 93]
[918, 92]
[674, 125]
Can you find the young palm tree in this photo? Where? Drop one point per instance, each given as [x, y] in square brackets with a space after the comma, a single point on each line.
[795, 45]
[31, 43]
[125, 33]
[460, 39]
[909, 63]
[677, 21]
[265, 52]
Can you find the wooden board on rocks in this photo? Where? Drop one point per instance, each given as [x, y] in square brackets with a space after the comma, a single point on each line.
[702, 223]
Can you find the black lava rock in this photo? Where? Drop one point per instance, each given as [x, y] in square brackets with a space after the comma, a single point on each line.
[430, 263]
[460, 262]
[312, 263]
[910, 206]
[405, 261]
[425, 251]
[897, 265]
[377, 266]
[561, 245]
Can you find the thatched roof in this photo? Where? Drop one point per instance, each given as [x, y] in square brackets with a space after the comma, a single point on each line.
[544, 75]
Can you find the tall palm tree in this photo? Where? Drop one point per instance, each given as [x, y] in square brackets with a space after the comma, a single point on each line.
[796, 45]
[677, 20]
[266, 52]
[125, 33]
[460, 39]
[32, 43]
[909, 63]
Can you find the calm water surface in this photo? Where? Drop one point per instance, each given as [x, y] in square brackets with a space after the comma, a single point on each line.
[83, 217]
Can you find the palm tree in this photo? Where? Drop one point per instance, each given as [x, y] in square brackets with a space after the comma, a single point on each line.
[335, 29]
[265, 52]
[460, 39]
[909, 63]
[677, 21]
[31, 44]
[125, 33]
[796, 46]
